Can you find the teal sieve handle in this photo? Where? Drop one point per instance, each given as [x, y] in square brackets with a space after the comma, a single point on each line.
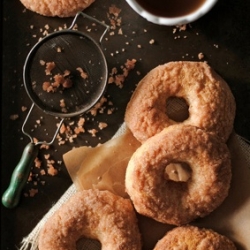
[19, 176]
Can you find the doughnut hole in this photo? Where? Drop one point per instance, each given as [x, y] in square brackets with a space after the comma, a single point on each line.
[177, 109]
[178, 172]
[85, 243]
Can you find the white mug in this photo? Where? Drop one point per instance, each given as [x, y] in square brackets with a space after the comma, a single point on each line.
[143, 9]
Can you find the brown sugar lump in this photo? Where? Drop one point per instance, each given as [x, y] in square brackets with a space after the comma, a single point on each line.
[211, 104]
[60, 8]
[92, 214]
[178, 175]
[191, 237]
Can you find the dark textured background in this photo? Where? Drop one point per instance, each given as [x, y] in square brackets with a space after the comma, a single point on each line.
[223, 35]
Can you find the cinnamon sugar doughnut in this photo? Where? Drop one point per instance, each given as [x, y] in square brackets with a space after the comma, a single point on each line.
[209, 98]
[60, 8]
[191, 237]
[156, 194]
[92, 214]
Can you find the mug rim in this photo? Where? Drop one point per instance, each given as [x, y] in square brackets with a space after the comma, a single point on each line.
[171, 21]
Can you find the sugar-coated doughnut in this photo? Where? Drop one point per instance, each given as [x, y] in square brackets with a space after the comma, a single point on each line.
[93, 214]
[191, 237]
[209, 98]
[60, 8]
[156, 194]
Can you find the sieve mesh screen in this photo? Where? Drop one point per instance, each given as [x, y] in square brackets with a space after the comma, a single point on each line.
[75, 79]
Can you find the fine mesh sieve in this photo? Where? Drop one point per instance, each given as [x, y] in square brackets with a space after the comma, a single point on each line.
[65, 74]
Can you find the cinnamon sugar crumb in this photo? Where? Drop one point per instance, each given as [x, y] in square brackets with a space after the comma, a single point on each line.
[49, 67]
[80, 129]
[14, 117]
[84, 75]
[42, 172]
[44, 146]
[23, 108]
[113, 16]
[102, 125]
[51, 170]
[93, 111]
[93, 132]
[59, 80]
[152, 41]
[47, 156]
[63, 129]
[119, 78]
[114, 10]
[33, 192]
[42, 62]
[200, 56]
[38, 163]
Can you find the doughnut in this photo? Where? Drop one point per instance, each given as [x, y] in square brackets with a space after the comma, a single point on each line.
[60, 8]
[156, 185]
[211, 105]
[192, 237]
[92, 214]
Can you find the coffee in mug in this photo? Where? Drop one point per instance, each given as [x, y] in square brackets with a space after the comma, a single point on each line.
[171, 12]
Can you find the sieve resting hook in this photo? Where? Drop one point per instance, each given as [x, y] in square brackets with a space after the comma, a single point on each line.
[93, 19]
[21, 172]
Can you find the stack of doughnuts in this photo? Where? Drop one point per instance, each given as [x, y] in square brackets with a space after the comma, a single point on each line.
[195, 146]
[181, 170]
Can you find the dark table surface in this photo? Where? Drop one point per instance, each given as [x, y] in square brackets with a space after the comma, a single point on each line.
[222, 35]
